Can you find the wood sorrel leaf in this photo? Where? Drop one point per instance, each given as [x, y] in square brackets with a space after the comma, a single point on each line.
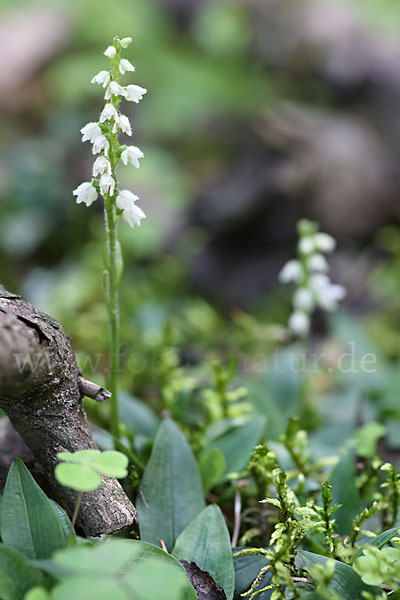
[30, 522]
[206, 542]
[171, 493]
[81, 478]
[116, 564]
[82, 470]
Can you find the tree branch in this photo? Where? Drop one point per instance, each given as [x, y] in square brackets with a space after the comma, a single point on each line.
[41, 391]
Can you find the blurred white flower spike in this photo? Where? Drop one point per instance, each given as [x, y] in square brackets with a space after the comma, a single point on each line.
[103, 135]
[309, 272]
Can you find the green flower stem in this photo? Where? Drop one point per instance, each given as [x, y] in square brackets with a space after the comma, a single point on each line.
[112, 301]
[74, 517]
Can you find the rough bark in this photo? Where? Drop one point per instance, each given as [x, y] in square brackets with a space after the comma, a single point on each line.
[40, 391]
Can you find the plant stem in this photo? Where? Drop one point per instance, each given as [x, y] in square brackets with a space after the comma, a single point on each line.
[74, 517]
[111, 290]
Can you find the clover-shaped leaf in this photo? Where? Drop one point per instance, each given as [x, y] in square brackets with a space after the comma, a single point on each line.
[82, 470]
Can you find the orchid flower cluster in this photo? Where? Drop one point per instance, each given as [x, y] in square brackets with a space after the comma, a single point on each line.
[103, 135]
[309, 273]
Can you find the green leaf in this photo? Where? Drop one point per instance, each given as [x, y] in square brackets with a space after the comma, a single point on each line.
[237, 442]
[80, 457]
[82, 470]
[17, 576]
[212, 467]
[246, 570]
[114, 560]
[171, 492]
[379, 541]
[89, 588]
[137, 415]
[345, 492]
[346, 583]
[206, 542]
[157, 578]
[30, 522]
[111, 463]
[38, 593]
[81, 478]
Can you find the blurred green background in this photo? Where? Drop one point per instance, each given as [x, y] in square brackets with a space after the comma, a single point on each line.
[258, 112]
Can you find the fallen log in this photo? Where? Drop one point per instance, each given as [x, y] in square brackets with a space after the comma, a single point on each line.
[41, 391]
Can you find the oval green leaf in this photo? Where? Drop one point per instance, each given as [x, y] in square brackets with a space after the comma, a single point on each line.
[17, 576]
[30, 522]
[206, 542]
[171, 494]
[346, 583]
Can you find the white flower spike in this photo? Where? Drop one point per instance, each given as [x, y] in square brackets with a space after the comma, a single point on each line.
[103, 136]
[309, 272]
[131, 155]
[85, 193]
[118, 204]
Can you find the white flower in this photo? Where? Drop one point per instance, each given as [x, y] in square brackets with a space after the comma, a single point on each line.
[324, 242]
[132, 214]
[109, 112]
[99, 144]
[131, 155]
[90, 132]
[114, 89]
[125, 65]
[124, 124]
[86, 193]
[101, 165]
[329, 296]
[107, 184]
[292, 271]
[303, 299]
[126, 41]
[134, 93]
[299, 323]
[307, 245]
[319, 282]
[103, 78]
[110, 52]
[317, 262]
